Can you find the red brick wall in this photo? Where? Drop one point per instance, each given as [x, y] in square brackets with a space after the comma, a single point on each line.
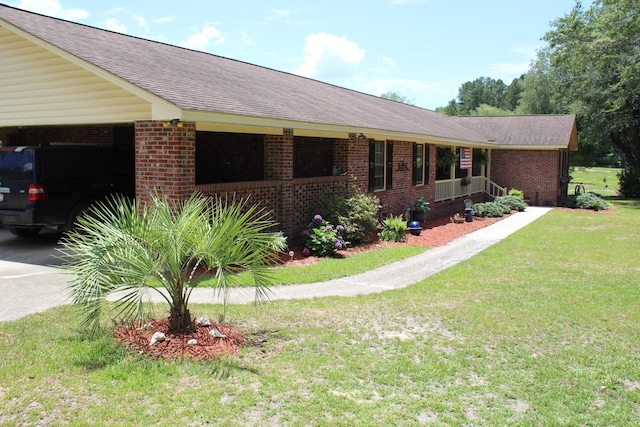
[397, 200]
[65, 134]
[165, 159]
[535, 172]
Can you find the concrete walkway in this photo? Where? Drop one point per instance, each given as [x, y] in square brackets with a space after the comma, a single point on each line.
[392, 276]
[46, 286]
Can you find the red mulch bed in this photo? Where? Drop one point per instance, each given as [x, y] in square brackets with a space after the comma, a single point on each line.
[176, 345]
[438, 232]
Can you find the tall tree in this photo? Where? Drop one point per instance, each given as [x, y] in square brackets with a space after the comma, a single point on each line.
[597, 55]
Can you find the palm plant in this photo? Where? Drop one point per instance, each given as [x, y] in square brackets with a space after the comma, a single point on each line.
[120, 245]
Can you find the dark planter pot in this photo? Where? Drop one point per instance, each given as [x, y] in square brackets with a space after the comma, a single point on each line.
[418, 216]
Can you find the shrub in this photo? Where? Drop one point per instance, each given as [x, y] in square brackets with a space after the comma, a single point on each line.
[119, 245]
[516, 193]
[514, 202]
[394, 229]
[490, 209]
[323, 239]
[629, 182]
[586, 201]
[357, 213]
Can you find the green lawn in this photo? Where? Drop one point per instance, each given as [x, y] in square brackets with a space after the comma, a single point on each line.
[541, 329]
[603, 181]
[328, 268]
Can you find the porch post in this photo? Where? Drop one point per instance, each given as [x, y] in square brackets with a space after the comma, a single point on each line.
[165, 159]
[278, 159]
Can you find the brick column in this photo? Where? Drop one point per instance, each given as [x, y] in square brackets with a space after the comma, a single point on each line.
[278, 165]
[165, 159]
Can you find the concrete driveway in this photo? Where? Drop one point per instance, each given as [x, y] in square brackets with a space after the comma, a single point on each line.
[29, 279]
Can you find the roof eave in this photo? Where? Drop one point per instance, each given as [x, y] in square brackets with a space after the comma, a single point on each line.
[225, 122]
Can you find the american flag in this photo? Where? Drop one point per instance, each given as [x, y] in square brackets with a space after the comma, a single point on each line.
[465, 158]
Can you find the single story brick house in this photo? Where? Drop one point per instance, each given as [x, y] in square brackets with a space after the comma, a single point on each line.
[200, 122]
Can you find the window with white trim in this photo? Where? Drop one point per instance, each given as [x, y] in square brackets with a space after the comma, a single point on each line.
[380, 165]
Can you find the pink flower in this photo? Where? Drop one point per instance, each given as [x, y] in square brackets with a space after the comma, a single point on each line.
[305, 232]
[317, 218]
[306, 251]
[328, 228]
[338, 244]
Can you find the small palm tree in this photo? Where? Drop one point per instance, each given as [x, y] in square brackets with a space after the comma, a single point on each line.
[120, 245]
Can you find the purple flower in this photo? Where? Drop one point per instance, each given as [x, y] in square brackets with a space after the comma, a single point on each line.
[305, 232]
[317, 218]
[340, 228]
[338, 244]
[328, 228]
[306, 251]
[340, 238]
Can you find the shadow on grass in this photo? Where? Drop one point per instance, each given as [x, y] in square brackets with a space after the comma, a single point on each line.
[627, 203]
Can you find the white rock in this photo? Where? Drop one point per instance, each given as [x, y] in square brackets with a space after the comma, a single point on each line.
[216, 333]
[204, 321]
[157, 337]
[192, 341]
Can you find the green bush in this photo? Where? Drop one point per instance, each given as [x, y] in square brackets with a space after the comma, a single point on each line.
[394, 229]
[516, 193]
[323, 239]
[490, 209]
[629, 180]
[357, 213]
[586, 201]
[514, 202]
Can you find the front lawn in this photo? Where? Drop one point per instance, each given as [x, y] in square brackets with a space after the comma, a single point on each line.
[542, 328]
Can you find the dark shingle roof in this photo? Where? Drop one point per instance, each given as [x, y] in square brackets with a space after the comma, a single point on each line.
[200, 81]
[545, 130]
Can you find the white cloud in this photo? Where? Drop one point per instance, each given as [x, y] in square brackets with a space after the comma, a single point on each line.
[511, 70]
[164, 19]
[112, 24]
[246, 40]
[142, 23]
[203, 39]
[53, 8]
[507, 71]
[386, 60]
[328, 55]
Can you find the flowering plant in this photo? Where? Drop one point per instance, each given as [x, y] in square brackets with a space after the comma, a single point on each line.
[322, 239]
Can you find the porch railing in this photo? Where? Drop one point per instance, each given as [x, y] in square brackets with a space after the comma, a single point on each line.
[449, 189]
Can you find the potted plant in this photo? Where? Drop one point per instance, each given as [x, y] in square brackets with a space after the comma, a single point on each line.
[481, 158]
[465, 181]
[446, 157]
[419, 210]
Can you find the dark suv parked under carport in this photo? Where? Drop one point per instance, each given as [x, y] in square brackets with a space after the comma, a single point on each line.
[50, 185]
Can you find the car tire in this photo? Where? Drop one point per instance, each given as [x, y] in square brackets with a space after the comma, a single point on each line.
[73, 217]
[24, 231]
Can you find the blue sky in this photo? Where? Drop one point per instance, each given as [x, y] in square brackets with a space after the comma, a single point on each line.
[422, 49]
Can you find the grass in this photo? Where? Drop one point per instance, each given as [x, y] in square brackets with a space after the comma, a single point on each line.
[603, 181]
[542, 328]
[330, 268]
